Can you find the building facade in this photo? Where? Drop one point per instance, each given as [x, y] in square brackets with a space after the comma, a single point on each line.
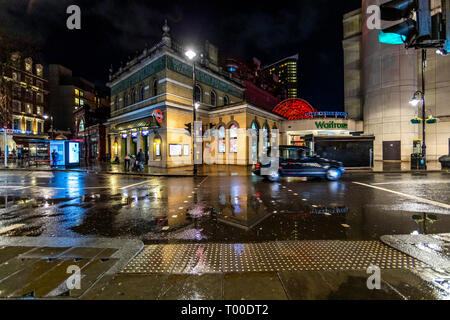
[152, 104]
[68, 93]
[26, 99]
[381, 79]
[285, 72]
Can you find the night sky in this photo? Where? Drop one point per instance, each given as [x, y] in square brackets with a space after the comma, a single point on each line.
[112, 30]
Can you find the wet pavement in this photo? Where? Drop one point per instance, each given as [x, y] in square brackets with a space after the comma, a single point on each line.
[222, 209]
[232, 208]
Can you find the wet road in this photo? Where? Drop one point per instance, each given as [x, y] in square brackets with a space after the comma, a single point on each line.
[235, 208]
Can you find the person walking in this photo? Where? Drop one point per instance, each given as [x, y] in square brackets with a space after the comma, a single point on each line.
[141, 158]
[55, 158]
[127, 162]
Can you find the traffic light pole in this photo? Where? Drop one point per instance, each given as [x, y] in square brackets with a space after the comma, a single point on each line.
[424, 146]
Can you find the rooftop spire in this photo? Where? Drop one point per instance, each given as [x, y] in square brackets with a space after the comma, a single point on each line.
[166, 34]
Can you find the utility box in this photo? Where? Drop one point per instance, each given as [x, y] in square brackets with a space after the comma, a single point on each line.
[418, 162]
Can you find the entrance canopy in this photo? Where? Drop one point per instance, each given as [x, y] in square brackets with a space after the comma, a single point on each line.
[295, 109]
[149, 123]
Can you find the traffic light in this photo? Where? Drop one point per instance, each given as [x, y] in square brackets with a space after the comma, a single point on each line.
[410, 32]
[188, 127]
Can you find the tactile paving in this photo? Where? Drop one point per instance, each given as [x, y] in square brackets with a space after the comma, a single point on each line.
[269, 257]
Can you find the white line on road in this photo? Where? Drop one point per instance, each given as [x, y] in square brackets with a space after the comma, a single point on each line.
[410, 181]
[435, 203]
[11, 227]
[136, 184]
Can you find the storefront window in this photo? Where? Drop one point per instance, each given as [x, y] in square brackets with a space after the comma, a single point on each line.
[222, 139]
[233, 138]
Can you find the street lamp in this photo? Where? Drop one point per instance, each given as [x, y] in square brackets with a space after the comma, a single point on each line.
[419, 97]
[191, 55]
[415, 99]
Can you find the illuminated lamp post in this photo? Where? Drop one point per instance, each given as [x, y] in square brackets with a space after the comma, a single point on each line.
[191, 55]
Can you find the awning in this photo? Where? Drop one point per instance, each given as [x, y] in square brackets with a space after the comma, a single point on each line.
[149, 123]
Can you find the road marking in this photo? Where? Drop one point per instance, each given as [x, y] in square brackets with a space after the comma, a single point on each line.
[410, 181]
[11, 227]
[435, 203]
[136, 184]
[15, 187]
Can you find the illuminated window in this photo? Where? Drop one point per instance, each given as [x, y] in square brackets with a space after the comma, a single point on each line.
[222, 139]
[28, 64]
[81, 93]
[77, 92]
[233, 138]
[81, 102]
[77, 101]
[39, 70]
[157, 147]
[81, 126]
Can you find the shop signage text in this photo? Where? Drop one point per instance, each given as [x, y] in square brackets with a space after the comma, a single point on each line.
[330, 125]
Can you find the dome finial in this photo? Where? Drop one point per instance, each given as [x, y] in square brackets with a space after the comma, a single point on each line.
[166, 35]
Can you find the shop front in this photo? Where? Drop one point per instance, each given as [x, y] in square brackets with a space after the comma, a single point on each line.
[332, 137]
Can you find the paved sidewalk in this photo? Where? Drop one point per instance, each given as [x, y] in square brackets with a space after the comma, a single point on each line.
[38, 267]
[297, 270]
[33, 268]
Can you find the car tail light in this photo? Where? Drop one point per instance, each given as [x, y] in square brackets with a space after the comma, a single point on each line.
[258, 165]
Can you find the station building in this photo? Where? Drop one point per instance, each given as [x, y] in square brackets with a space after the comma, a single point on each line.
[152, 104]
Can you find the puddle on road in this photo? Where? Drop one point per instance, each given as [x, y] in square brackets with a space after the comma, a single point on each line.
[223, 218]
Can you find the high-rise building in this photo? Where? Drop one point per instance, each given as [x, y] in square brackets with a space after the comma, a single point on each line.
[68, 93]
[380, 80]
[285, 72]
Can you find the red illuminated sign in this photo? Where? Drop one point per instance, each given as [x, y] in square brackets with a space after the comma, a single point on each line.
[294, 109]
[158, 115]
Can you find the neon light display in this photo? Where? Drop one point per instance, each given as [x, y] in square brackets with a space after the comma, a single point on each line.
[295, 109]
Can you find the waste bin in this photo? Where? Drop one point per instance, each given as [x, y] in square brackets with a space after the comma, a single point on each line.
[418, 162]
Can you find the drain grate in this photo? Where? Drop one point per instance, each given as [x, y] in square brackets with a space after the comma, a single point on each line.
[270, 256]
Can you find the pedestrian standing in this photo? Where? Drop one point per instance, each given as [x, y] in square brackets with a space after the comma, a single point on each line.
[127, 162]
[55, 158]
[141, 159]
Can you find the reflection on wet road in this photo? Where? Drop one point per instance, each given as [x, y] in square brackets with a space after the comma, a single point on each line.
[222, 208]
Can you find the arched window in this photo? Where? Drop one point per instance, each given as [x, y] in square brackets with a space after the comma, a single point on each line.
[157, 147]
[198, 94]
[255, 126]
[222, 139]
[81, 126]
[265, 128]
[226, 101]
[213, 99]
[125, 99]
[141, 93]
[233, 138]
[133, 96]
[155, 87]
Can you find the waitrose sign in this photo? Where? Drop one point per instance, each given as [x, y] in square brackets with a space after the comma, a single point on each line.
[330, 125]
